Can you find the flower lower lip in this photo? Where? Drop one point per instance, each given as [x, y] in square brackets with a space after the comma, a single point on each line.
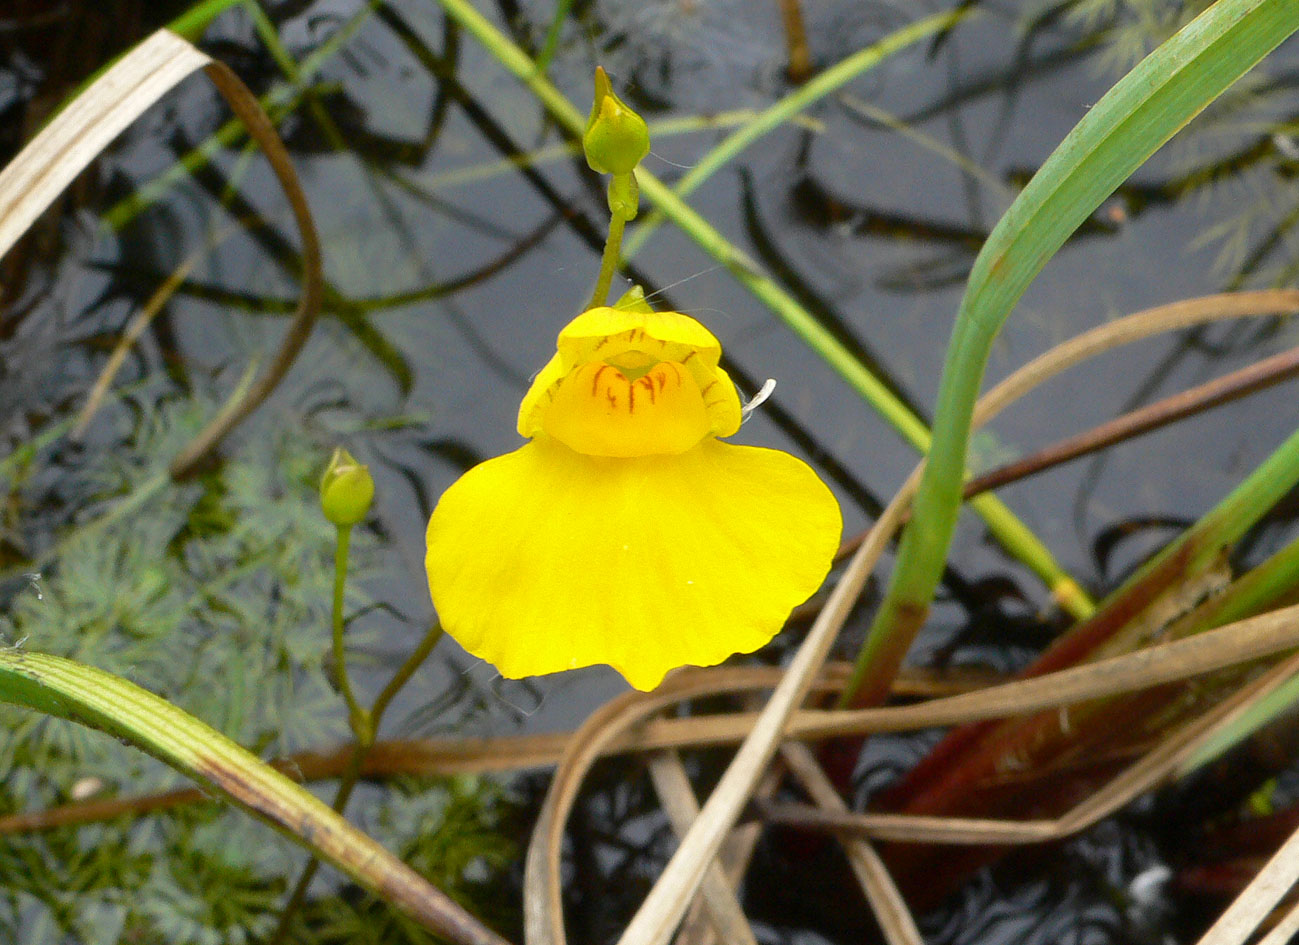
[532, 567]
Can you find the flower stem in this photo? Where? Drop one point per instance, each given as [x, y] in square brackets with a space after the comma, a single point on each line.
[404, 673]
[358, 718]
[352, 774]
[609, 261]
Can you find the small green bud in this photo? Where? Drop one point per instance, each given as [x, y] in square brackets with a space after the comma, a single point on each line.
[616, 138]
[633, 300]
[346, 489]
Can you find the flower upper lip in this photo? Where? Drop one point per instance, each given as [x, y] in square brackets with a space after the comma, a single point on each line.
[635, 343]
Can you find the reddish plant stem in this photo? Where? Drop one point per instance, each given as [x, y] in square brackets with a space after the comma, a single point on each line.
[1188, 403]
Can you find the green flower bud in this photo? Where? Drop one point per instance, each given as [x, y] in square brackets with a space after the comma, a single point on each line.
[616, 138]
[346, 489]
[633, 300]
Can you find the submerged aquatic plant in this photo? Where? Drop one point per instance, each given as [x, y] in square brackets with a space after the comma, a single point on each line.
[625, 532]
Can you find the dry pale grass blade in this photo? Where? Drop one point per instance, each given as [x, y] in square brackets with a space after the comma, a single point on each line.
[664, 905]
[1169, 757]
[94, 810]
[440, 757]
[45, 167]
[1138, 326]
[1284, 932]
[1248, 639]
[79, 133]
[734, 857]
[911, 828]
[1239, 642]
[1122, 331]
[1157, 766]
[1252, 638]
[1259, 898]
[663, 908]
[715, 892]
[1187, 403]
[891, 910]
[1174, 661]
[542, 908]
[134, 329]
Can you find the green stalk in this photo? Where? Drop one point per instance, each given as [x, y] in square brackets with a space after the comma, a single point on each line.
[357, 717]
[69, 690]
[360, 721]
[364, 723]
[404, 672]
[771, 118]
[352, 774]
[1132, 120]
[1001, 521]
[609, 260]
[551, 43]
[270, 38]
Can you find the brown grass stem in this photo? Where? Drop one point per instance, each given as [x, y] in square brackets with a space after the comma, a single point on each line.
[1188, 403]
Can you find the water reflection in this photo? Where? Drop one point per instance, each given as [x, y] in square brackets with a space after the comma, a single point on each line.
[442, 297]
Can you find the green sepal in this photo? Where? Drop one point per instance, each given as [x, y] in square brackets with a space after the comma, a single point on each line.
[633, 300]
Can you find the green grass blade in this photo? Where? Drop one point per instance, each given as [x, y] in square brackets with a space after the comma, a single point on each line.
[1269, 584]
[1146, 108]
[197, 18]
[1256, 716]
[551, 43]
[70, 690]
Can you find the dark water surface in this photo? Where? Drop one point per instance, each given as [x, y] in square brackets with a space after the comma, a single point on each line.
[457, 271]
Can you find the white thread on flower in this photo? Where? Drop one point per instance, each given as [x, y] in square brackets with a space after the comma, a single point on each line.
[758, 399]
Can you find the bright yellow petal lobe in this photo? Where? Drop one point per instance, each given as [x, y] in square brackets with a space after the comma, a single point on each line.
[600, 411]
[538, 396]
[722, 403]
[548, 559]
[671, 336]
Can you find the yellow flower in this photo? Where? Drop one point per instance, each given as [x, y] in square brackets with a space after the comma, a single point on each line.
[625, 532]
